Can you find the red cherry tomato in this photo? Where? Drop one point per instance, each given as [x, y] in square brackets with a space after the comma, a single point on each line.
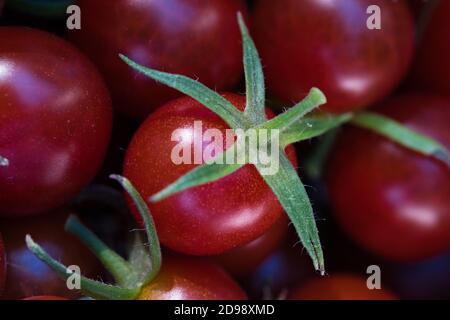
[27, 275]
[183, 278]
[46, 298]
[242, 261]
[432, 67]
[197, 38]
[208, 219]
[327, 44]
[339, 287]
[392, 201]
[55, 121]
[2, 266]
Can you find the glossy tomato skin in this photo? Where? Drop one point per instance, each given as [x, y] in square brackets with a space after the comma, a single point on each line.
[2, 265]
[327, 44]
[55, 121]
[243, 260]
[28, 276]
[208, 219]
[432, 67]
[196, 38]
[393, 201]
[187, 278]
[339, 287]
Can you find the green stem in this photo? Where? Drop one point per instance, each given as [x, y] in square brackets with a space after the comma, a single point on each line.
[150, 229]
[402, 135]
[94, 289]
[120, 269]
[285, 120]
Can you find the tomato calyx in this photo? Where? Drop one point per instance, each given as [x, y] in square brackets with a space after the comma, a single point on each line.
[294, 125]
[131, 276]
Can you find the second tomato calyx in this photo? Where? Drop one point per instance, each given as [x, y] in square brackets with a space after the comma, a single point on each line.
[131, 276]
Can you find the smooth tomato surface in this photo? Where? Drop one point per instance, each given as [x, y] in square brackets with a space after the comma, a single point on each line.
[432, 66]
[2, 266]
[393, 201]
[327, 44]
[185, 278]
[55, 121]
[339, 287]
[27, 275]
[208, 219]
[196, 38]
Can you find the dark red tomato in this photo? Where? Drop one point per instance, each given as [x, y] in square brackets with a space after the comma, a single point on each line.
[197, 38]
[46, 298]
[390, 200]
[208, 219]
[242, 261]
[432, 67]
[26, 275]
[327, 44]
[55, 121]
[339, 287]
[183, 278]
[2, 266]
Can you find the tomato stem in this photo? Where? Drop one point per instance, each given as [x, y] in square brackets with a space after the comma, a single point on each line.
[402, 135]
[149, 224]
[91, 288]
[121, 270]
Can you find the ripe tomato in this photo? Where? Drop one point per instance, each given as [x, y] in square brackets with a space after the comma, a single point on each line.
[208, 219]
[327, 44]
[183, 278]
[242, 261]
[55, 121]
[197, 38]
[339, 287]
[26, 274]
[432, 67]
[2, 266]
[392, 201]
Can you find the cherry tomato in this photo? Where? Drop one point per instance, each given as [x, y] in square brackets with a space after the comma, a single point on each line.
[26, 275]
[197, 38]
[327, 44]
[208, 219]
[55, 124]
[242, 261]
[183, 278]
[45, 298]
[432, 68]
[339, 287]
[2, 266]
[55, 9]
[390, 200]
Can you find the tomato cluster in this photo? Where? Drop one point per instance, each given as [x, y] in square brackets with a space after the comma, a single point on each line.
[378, 202]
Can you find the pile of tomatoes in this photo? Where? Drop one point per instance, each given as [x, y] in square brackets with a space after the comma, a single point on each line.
[72, 113]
